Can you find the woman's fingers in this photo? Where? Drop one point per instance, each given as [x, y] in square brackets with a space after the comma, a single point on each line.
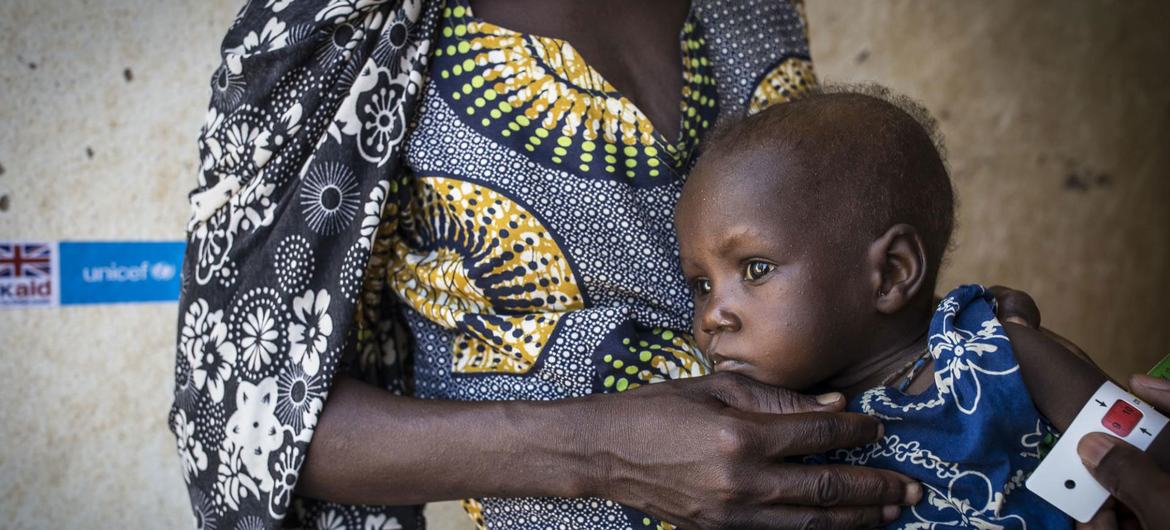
[1156, 392]
[1105, 519]
[780, 436]
[1015, 306]
[776, 423]
[1132, 476]
[726, 468]
[1153, 390]
[742, 393]
[841, 485]
[1129, 474]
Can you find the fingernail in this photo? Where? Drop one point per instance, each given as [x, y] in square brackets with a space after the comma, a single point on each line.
[913, 493]
[830, 398]
[881, 431]
[1150, 382]
[889, 513]
[1093, 449]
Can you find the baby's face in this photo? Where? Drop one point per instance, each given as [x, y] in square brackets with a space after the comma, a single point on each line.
[773, 298]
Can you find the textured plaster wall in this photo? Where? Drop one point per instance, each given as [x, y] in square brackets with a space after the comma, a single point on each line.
[100, 105]
[1057, 115]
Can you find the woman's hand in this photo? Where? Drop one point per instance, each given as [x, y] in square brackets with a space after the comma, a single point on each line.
[710, 453]
[1132, 476]
[701, 453]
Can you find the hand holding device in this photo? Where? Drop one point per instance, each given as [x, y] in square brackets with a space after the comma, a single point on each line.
[1132, 476]
[1064, 480]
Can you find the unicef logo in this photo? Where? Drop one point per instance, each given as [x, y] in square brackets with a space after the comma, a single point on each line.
[93, 272]
[162, 271]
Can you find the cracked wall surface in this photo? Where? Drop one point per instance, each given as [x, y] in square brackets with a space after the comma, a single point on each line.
[1057, 116]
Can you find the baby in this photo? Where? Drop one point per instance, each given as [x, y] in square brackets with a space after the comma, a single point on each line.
[812, 235]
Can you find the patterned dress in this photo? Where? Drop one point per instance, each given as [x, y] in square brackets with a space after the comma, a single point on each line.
[444, 207]
[973, 438]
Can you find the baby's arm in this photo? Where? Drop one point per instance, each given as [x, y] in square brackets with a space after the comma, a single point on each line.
[1061, 381]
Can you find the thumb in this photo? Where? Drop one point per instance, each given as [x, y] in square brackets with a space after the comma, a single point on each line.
[745, 394]
[1124, 470]
[1154, 390]
[1104, 519]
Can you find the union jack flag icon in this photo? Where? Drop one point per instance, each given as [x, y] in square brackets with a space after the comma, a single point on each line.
[25, 260]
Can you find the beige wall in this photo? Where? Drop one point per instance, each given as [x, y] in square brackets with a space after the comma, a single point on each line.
[1057, 115]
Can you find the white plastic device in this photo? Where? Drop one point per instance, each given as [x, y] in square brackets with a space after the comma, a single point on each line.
[1062, 480]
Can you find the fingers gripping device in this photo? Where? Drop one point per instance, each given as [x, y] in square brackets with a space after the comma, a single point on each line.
[1062, 479]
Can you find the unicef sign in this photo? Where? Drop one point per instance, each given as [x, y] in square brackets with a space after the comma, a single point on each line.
[111, 272]
[159, 271]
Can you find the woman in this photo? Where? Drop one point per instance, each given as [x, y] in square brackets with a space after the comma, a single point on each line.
[474, 206]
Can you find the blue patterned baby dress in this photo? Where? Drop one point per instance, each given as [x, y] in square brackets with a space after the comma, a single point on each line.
[973, 438]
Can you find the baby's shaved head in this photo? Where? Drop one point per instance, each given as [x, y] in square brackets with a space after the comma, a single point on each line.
[857, 158]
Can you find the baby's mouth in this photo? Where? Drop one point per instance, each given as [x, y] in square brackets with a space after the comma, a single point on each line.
[727, 364]
[719, 361]
[722, 362]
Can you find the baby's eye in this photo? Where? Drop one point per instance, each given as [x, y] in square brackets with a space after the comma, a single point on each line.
[701, 286]
[757, 269]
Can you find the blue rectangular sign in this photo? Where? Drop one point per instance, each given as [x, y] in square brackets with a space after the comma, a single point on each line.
[100, 272]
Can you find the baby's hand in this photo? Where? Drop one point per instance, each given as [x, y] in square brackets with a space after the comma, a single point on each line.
[1015, 306]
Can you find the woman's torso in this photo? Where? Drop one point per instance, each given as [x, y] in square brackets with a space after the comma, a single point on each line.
[534, 248]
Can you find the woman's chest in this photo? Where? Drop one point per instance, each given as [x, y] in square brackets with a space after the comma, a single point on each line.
[502, 209]
[633, 45]
[521, 148]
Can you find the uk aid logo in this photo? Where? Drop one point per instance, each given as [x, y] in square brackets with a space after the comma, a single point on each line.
[26, 274]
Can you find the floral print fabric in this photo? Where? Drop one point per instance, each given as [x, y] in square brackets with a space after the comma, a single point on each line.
[308, 111]
[972, 439]
[442, 207]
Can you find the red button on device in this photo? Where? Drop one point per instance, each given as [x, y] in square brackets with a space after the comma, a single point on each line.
[1121, 418]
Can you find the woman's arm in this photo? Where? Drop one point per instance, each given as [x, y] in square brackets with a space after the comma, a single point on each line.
[373, 447]
[703, 453]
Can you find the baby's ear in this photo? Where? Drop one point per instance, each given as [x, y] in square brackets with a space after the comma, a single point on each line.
[897, 266]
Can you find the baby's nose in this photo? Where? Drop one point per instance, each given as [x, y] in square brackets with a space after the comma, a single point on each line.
[718, 317]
